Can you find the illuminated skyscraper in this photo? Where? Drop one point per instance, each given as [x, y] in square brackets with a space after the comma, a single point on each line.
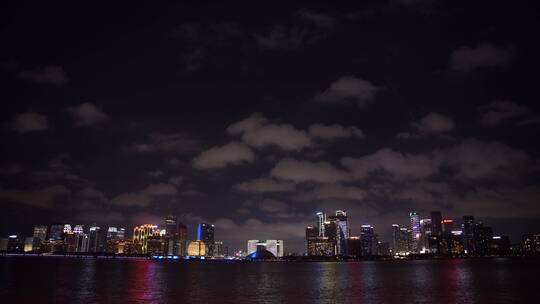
[274, 246]
[342, 231]
[415, 230]
[321, 219]
[141, 234]
[40, 232]
[78, 229]
[55, 233]
[468, 234]
[97, 239]
[112, 233]
[205, 233]
[67, 229]
[367, 238]
[82, 242]
[425, 233]
[395, 238]
[447, 226]
[436, 219]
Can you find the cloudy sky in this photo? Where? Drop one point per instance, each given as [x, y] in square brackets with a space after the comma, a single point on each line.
[254, 118]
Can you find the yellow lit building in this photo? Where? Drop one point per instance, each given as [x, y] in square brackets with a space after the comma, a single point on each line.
[197, 248]
[141, 235]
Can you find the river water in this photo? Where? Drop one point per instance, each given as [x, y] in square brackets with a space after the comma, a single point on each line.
[72, 280]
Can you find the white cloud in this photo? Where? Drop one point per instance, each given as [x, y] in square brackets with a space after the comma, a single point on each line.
[348, 89]
[396, 163]
[434, 123]
[255, 121]
[283, 136]
[222, 156]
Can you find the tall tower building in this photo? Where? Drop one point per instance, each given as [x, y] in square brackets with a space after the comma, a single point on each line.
[40, 232]
[321, 219]
[342, 231]
[205, 233]
[436, 220]
[367, 239]
[56, 231]
[467, 229]
[395, 239]
[141, 234]
[97, 239]
[414, 217]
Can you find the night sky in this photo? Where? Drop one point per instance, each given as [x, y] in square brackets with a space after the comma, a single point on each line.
[254, 117]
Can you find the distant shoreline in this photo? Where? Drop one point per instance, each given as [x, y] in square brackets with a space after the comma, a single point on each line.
[301, 259]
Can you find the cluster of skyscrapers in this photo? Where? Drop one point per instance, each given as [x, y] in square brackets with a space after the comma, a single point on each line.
[434, 235]
[438, 235]
[331, 236]
[168, 239]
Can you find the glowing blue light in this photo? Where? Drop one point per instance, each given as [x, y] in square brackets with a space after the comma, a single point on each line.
[203, 258]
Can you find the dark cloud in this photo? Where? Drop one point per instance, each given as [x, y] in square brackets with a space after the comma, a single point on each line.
[169, 143]
[468, 58]
[87, 114]
[262, 185]
[30, 122]
[145, 196]
[305, 171]
[500, 111]
[47, 75]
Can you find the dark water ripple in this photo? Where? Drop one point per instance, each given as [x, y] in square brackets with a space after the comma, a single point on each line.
[68, 280]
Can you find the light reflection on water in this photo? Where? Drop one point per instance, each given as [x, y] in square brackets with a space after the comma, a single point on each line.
[57, 280]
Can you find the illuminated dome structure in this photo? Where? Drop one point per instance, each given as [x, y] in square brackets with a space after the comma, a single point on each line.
[197, 248]
[261, 254]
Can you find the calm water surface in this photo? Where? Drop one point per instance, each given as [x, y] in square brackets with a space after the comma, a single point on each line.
[68, 280]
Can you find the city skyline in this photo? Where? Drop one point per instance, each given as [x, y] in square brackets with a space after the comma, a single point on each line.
[255, 119]
[331, 236]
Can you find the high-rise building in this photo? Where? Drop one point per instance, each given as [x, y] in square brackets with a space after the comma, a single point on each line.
[219, 249]
[530, 244]
[404, 240]
[97, 239]
[197, 248]
[354, 246]
[181, 244]
[317, 245]
[67, 229]
[447, 226]
[40, 232]
[141, 234]
[321, 219]
[468, 234]
[425, 233]
[367, 238]
[205, 233]
[331, 234]
[171, 225]
[55, 233]
[82, 242]
[395, 239]
[500, 245]
[436, 220]
[415, 230]
[112, 233]
[78, 229]
[482, 238]
[341, 223]
[121, 233]
[274, 246]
